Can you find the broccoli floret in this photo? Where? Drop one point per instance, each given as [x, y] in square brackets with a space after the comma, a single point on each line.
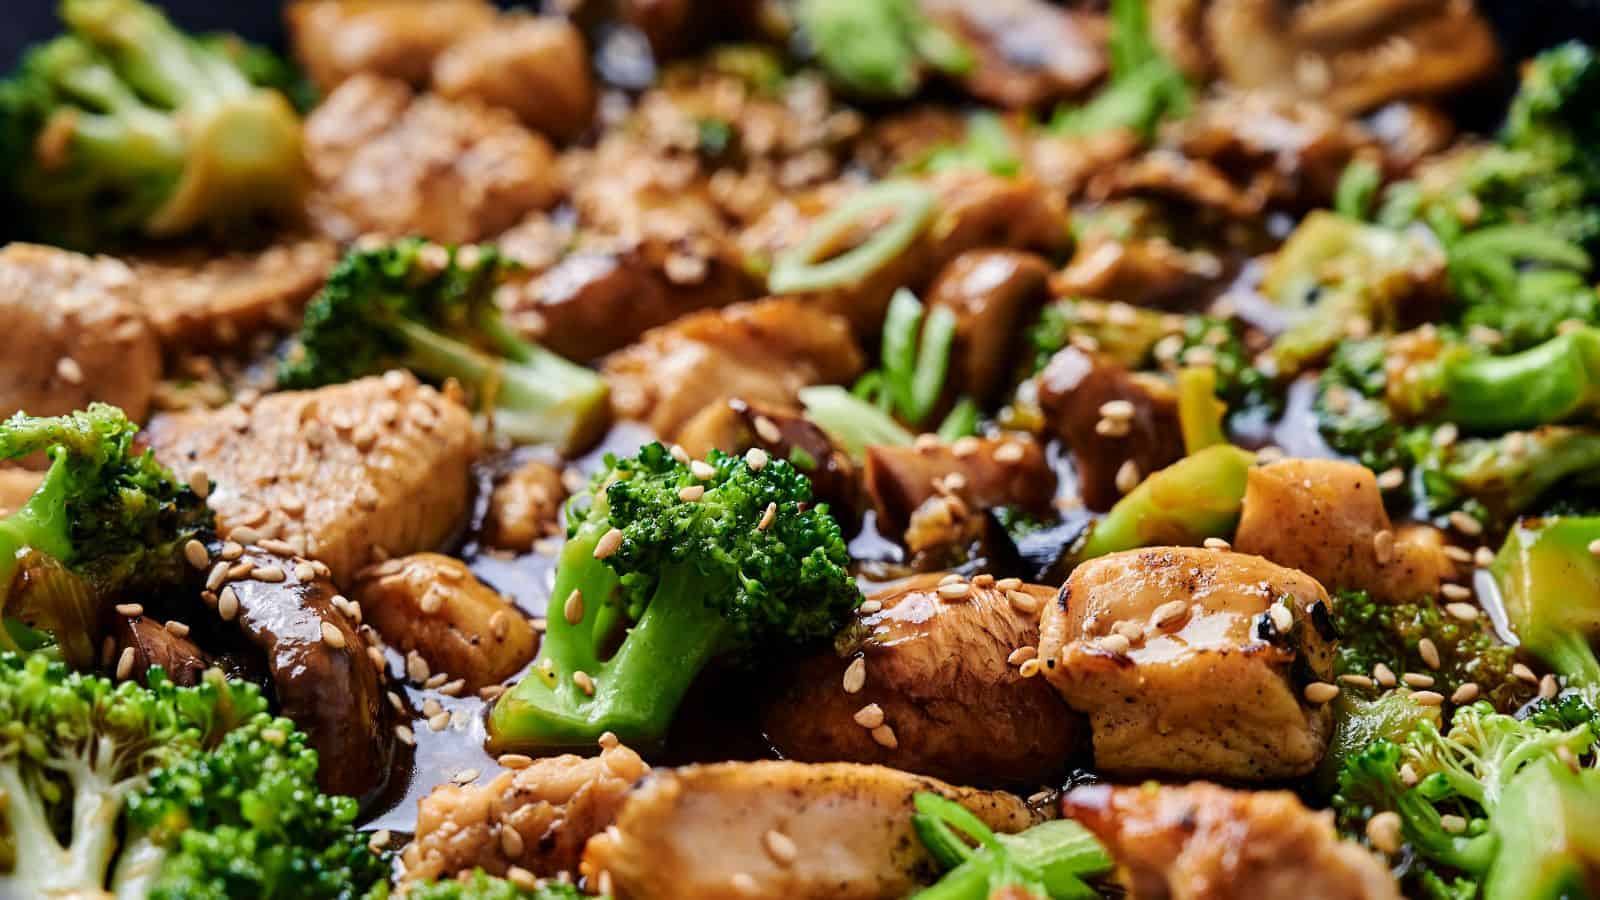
[698, 561]
[1052, 860]
[1359, 720]
[114, 519]
[246, 820]
[1371, 632]
[1549, 584]
[483, 886]
[878, 48]
[75, 749]
[125, 125]
[421, 306]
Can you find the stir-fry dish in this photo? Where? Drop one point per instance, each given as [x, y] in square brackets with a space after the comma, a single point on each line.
[800, 450]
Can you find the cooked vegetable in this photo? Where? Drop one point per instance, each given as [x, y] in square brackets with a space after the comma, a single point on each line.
[854, 423]
[483, 886]
[1051, 859]
[700, 560]
[126, 126]
[1549, 582]
[878, 48]
[1145, 86]
[816, 263]
[106, 519]
[431, 309]
[1195, 498]
[987, 146]
[1556, 381]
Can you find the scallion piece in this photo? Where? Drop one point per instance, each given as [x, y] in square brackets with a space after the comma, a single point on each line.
[808, 266]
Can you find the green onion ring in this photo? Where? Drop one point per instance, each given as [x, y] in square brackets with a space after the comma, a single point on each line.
[799, 270]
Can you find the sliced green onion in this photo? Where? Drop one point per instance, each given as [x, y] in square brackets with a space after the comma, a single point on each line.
[854, 423]
[933, 364]
[900, 329]
[1358, 188]
[960, 422]
[803, 267]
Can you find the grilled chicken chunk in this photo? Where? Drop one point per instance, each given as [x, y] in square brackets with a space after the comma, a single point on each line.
[1074, 387]
[535, 66]
[391, 162]
[1184, 667]
[1326, 518]
[525, 506]
[74, 334]
[375, 467]
[434, 606]
[709, 832]
[1008, 470]
[335, 39]
[538, 817]
[761, 352]
[1204, 842]
[994, 294]
[197, 300]
[936, 671]
[322, 676]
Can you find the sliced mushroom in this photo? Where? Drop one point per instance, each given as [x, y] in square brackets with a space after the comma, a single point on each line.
[153, 644]
[780, 432]
[1028, 52]
[993, 294]
[1008, 470]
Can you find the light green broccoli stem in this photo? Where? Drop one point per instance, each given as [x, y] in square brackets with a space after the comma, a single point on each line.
[1197, 497]
[44, 867]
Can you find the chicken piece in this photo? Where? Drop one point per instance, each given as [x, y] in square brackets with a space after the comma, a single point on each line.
[16, 486]
[1068, 163]
[704, 832]
[1180, 659]
[1326, 518]
[604, 295]
[761, 352]
[154, 645]
[322, 675]
[1028, 52]
[373, 468]
[994, 294]
[389, 162]
[1204, 842]
[535, 66]
[937, 673]
[434, 606]
[537, 817]
[983, 473]
[1072, 389]
[524, 507]
[782, 433]
[336, 39]
[1139, 272]
[197, 300]
[74, 334]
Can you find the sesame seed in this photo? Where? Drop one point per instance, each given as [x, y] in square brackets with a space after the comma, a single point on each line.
[1356, 680]
[432, 600]
[869, 716]
[195, 552]
[584, 682]
[1429, 652]
[522, 878]
[954, 591]
[1282, 618]
[1483, 557]
[744, 884]
[1029, 668]
[176, 628]
[491, 691]
[680, 454]
[1115, 643]
[768, 430]
[780, 847]
[1458, 554]
[767, 517]
[608, 740]
[702, 470]
[514, 760]
[1548, 687]
[572, 610]
[1117, 409]
[1452, 823]
[276, 547]
[453, 688]
[228, 604]
[1466, 693]
[68, 370]
[1021, 655]
[1428, 698]
[1389, 479]
[405, 734]
[1455, 592]
[756, 458]
[691, 493]
[1521, 671]
[232, 550]
[1446, 434]
[868, 607]
[436, 679]
[1112, 428]
[511, 842]
[125, 664]
[855, 675]
[1465, 524]
[431, 707]
[608, 544]
[217, 575]
[1168, 612]
[1023, 602]
[439, 721]
[130, 609]
[1008, 584]
[379, 840]
[1320, 692]
[1216, 543]
[468, 776]
[1128, 476]
[1383, 546]
[965, 447]
[1009, 452]
[1417, 680]
[884, 735]
[332, 636]
[378, 662]
[1465, 612]
[416, 667]
[1383, 830]
[1384, 676]
[1594, 546]
[499, 624]
[1130, 630]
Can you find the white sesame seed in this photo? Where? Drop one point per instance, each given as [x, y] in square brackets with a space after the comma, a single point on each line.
[416, 667]
[1282, 618]
[232, 550]
[332, 636]
[195, 552]
[1452, 823]
[768, 516]
[1128, 476]
[1021, 655]
[1168, 612]
[1417, 680]
[228, 604]
[1465, 524]
[1465, 612]
[436, 679]
[756, 458]
[965, 447]
[1428, 698]
[702, 470]
[1008, 584]
[1133, 631]
[1117, 409]
[1114, 643]
[511, 842]
[1357, 680]
[1383, 546]
[439, 721]
[269, 574]
[780, 847]
[1320, 692]
[176, 628]
[768, 430]
[868, 607]
[692, 493]
[1548, 687]
[1112, 428]
[1446, 434]
[1383, 830]
[1524, 673]
[957, 590]
[130, 609]
[608, 544]
[125, 664]
[514, 761]
[572, 609]
[1429, 652]
[405, 735]
[522, 878]
[1483, 557]
[1023, 602]
[884, 735]
[584, 682]
[1216, 543]
[1594, 546]
[1384, 676]
[680, 454]
[1466, 693]
[1455, 592]
[1029, 668]
[1389, 479]
[379, 840]
[869, 716]
[855, 675]
[276, 547]
[744, 884]
[1408, 775]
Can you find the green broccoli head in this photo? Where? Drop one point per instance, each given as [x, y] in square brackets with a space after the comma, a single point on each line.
[878, 48]
[1553, 114]
[1485, 749]
[430, 308]
[75, 748]
[112, 516]
[482, 886]
[727, 557]
[125, 125]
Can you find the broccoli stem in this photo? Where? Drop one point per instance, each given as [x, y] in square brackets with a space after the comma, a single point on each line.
[42, 864]
[1548, 383]
[138, 867]
[40, 524]
[1196, 497]
[156, 58]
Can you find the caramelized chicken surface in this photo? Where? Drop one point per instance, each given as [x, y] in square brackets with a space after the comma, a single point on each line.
[537, 67]
[1186, 661]
[337, 39]
[709, 831]
[926, 682]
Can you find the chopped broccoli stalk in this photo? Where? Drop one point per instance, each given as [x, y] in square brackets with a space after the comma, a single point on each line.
[1358, 721]
[1199, 412]
[1550, 586]
[431, 309]
[1196, 497]
[1506, 475]
[1051, 859]
[126, 125]
[879, 48]
[105, 519]
[749, 567]
[1552, 121]
[1547, 827]
[1556, 381]
[482, 886]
